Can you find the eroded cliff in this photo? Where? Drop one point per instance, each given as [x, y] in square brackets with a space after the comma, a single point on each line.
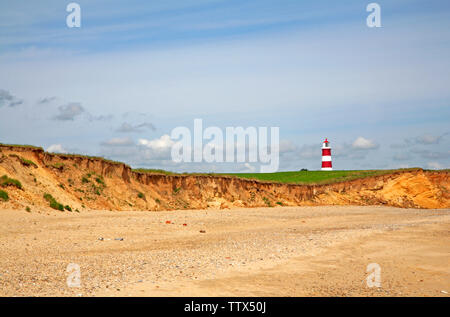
[94, 183]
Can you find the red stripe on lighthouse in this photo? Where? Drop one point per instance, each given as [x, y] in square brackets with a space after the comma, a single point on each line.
[326, 164]
[326, 152]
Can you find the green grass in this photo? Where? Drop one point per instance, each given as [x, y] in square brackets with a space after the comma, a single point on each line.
[101, 181]
[4, 195]
[53, 203]
[298, 177]
[267, 201]
[6, 181]
[67, 156]
[153, 171]
[58, 166]
[313, 177]
[176, 190]
[24, 161]
[96, 190]
[25, 146]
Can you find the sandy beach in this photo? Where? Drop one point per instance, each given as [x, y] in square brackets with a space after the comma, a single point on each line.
[285, 251]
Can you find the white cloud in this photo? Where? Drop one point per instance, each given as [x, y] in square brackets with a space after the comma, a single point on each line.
[157, 149]
[364, 144]
[434, 165]
[56, 148]
[118, 142]
[164, 142]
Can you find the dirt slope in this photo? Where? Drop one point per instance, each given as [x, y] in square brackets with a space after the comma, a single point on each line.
[94, 183]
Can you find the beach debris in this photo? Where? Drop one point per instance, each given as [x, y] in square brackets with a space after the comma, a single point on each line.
[202, 231]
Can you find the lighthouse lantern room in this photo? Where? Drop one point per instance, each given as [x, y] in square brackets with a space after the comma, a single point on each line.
[326, 156]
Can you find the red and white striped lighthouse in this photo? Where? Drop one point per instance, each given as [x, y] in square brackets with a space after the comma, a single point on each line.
[326, 156]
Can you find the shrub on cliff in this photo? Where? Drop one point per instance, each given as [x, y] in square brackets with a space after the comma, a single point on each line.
[101, 181]
[24, 161]
[53, 203]
[4, 195]
[6, 181]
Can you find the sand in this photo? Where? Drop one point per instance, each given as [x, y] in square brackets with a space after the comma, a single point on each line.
[289, 251]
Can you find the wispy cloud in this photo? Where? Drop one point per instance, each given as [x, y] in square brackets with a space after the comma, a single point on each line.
[69, 112]
[46, 100]
[436, 155]
[427, 139]
[424, 139]
[73, 110]
[7, 99]
[130, 128]
[118, 142]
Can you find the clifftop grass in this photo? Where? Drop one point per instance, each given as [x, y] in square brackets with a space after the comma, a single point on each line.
[315, 177]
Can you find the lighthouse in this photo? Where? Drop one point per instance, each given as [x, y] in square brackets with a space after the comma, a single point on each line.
[326, 156]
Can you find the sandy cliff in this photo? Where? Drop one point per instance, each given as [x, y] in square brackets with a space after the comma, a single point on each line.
[95, 183]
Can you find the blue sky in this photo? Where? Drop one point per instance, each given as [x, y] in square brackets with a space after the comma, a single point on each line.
[137, 69]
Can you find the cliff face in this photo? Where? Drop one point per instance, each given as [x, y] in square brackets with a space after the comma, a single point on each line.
[94, 183]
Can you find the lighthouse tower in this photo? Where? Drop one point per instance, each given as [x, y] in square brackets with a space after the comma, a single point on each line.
[326, 156]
